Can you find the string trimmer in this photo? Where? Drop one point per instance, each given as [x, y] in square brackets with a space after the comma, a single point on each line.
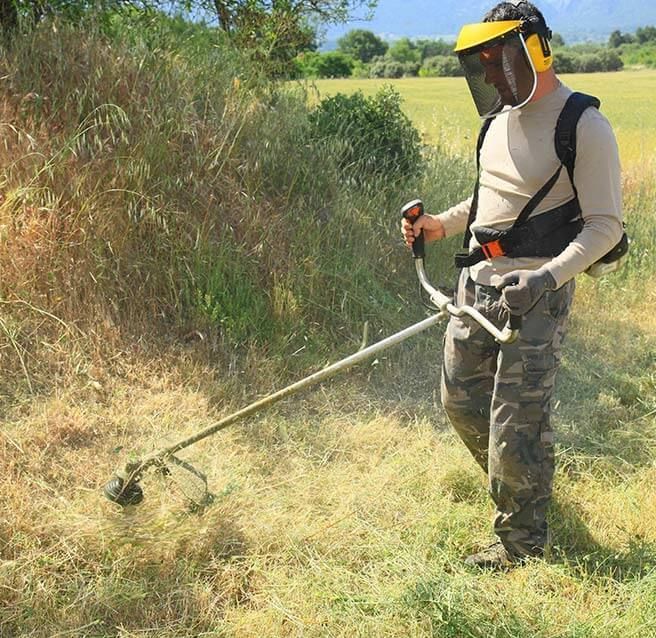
[124, 487]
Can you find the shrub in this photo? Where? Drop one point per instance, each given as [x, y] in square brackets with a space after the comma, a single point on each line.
[568, 61]
[411, 69]
[565, 61]
[332, 64]
[589, 63]
[376, 137]
[385, 68]
[610, 60]
[441, 66]
[643, 55]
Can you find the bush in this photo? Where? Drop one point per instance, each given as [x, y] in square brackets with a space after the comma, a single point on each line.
[642, 55]
[376, 137]
[589, 63]
[441, 66]
[411, 69]
[568, 61]
[565, 61]
[324, 65]
[610, 60]
[385, 68]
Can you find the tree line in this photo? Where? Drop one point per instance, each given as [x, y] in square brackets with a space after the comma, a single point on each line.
[361, 53]
[281, 35]
[274, 32]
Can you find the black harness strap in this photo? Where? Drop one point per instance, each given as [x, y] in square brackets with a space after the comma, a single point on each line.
[565, 137]
[474, 205]
[533, 237]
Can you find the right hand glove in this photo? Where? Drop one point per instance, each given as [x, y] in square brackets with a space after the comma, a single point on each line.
[522, 289]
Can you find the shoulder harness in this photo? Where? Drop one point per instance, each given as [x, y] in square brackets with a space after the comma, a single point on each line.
[546, 234]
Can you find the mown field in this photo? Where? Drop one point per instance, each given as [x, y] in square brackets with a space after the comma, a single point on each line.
[442, 109]
[345, 511]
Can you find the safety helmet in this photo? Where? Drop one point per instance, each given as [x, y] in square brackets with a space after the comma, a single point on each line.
[501, 61]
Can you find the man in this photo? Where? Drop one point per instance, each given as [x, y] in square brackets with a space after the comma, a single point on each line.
[497, 396]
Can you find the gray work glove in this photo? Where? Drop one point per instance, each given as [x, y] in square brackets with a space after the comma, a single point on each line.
[522, 289]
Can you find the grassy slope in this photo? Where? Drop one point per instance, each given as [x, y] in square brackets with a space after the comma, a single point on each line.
[344, 513]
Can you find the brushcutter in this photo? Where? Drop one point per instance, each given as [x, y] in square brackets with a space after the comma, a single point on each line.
[124, 488]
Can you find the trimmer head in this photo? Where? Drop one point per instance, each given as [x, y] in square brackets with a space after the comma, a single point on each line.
[118, 492]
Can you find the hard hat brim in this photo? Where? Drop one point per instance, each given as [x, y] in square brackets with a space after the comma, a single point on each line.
[480, 34]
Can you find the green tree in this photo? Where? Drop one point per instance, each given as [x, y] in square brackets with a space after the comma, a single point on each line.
[333, 64]
[645, 34]
[12, 12]
[404, 50]
[557, 40]
[441, 66]
[617, 39]
[431, 48]
[274, 31]
[362, 45]
[277, 30]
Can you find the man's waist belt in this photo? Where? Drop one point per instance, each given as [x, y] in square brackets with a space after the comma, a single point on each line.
[545, 235]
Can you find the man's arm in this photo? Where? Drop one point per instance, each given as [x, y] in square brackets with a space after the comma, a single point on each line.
[454, 220]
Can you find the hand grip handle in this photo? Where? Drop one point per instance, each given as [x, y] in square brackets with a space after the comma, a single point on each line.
[412, 211]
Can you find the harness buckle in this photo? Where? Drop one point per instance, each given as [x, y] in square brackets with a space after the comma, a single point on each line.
[493, 249]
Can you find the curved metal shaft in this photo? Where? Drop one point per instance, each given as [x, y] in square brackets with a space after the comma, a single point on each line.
[134, 470]
[445, 304]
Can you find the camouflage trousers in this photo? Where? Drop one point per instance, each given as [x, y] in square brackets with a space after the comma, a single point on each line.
[498, 399]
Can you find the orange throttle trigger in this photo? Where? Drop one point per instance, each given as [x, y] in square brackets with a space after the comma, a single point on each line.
[412, 211]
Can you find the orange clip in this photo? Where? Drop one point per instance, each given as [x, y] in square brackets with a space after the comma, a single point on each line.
[493, 249]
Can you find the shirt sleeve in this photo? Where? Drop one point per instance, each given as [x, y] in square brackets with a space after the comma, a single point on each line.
[455, 218]
[597, 178]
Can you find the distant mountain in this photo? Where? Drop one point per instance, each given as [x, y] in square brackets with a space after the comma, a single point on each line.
[575, 20]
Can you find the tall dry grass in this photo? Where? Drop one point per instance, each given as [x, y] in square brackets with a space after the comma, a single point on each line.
[171, 247]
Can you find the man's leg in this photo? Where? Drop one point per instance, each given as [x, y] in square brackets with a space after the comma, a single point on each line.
[470, 358]
[521, 454]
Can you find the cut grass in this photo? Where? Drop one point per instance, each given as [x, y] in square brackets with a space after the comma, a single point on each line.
[326, 523]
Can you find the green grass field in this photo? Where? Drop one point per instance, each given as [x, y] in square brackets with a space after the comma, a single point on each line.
[347, 510]
[443, 111]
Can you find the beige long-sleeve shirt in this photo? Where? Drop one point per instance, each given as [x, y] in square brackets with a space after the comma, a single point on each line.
[517, 158]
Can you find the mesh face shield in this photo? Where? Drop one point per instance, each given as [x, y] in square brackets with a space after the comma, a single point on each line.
[500, 74]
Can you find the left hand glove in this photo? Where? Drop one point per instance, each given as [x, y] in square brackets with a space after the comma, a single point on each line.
[522, 289]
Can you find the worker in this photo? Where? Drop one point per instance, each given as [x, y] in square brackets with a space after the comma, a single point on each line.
[530, 227]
